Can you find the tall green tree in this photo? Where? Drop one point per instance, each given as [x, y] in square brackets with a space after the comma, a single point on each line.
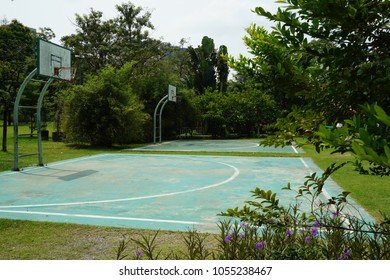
[92, 42]
[276, 69]
[132, 41]
[209, 67]
[16, 57]
[99, 42]
[222, 69]
[202, 63]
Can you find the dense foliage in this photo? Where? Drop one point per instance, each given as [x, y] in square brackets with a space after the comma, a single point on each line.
[105, 98]
[15, 60]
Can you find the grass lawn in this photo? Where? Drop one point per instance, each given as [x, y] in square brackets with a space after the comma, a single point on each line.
[371, 192]
[29, 240]
[39, 240]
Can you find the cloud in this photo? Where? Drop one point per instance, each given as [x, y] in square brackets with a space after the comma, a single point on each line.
[224, 21]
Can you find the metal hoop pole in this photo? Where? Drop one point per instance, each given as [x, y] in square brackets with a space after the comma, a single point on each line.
[160, 121]
[16, 117]
[155, 118]
[39, 124]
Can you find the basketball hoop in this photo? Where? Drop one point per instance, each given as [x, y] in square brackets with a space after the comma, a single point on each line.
[65, 73]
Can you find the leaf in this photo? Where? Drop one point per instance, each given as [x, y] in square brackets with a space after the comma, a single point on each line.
[364, 136]
[387, 151]
[381, 115]
[371, 152]
[260, 11]
[352, 11]
[358, 150]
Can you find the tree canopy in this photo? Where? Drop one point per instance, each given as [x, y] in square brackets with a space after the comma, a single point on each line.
[16, 57]
[209, 66]
[335, 54]
[330, 60]
[99, 42]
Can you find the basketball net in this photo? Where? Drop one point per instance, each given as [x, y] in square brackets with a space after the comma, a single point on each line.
[67, 73]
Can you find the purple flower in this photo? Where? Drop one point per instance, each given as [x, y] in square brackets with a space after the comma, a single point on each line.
[314, 231]
[307, 239]
[347, 254]
[241, 235]
[228, 238]
[259, 245]
[316, 224]
[243, 224]
[335, 215]
[139, 254]
[289, 233]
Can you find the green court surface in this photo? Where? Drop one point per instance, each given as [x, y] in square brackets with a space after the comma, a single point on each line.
[246, 145]
[167, 192]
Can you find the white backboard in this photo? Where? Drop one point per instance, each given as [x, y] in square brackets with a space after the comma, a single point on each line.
[54, 60]
[172, 93]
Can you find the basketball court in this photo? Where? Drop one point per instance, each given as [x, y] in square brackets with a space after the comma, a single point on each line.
[167, 192]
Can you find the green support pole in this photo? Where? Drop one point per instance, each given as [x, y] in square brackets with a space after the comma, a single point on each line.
[16, 118]
[160, 120]
[155, 120]
[39, 122]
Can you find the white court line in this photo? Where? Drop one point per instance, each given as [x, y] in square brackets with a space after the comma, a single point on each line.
[253, 145]
[295, 150]
[99, 217]
[231, 178]
[324, 191]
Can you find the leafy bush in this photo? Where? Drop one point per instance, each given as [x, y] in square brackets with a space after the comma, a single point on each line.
[366, 135]
[104, 110]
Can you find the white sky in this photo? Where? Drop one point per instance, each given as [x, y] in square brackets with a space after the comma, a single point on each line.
[222, 20]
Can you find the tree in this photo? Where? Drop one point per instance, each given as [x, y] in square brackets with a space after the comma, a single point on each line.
[347, 61]
[132, 40]
[249, 110]
[242, 111]
[211, 105]
[104, 110]
[202, 63]
[209, 68]
[353, 52]
[99, 43]
[16, 55]
[279, 71]
[222, 69]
